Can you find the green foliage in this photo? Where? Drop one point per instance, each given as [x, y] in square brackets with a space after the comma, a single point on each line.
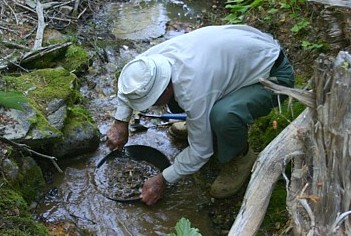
[183, 228]
[15, 217]
[277, 214]
[238, 8]
[312, 46]
[291, 4]
[12, 100]
[262, 132]
[299, 26]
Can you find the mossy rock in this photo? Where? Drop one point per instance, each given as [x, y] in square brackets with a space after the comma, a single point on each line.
[80, 135]
[42, 86]
[76, 60]
[15, 217]
[30, 181]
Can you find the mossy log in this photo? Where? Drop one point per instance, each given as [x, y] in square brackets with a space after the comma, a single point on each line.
[318, 143]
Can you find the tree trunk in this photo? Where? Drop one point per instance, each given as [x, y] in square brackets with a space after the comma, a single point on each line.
[319, 144]
[320, 201]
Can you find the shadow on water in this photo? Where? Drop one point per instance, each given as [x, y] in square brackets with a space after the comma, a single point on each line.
[74, 196]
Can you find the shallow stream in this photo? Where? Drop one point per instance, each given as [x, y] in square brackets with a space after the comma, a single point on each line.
[74, 197]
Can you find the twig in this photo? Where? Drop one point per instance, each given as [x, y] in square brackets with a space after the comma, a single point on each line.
[58, 4]
[8, 29]
[308, 209]
[80, 14]
[14, 45]
[13, 12]
[41, 26]
[25, 7]
[24, 147]
[42, 51]
[339, 219]
[60, 19]
[6, 66]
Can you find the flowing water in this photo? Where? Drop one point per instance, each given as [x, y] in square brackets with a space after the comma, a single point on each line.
[74, 196]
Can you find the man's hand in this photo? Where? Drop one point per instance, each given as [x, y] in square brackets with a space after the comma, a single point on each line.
[153, 189]
[117, 135]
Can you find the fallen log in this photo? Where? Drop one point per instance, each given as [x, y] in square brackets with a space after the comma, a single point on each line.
[269, 166]
[319, 143]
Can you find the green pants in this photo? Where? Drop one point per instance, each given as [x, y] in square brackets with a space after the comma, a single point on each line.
[231, 115]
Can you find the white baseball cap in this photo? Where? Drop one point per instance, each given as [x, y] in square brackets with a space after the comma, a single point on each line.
[143, 80]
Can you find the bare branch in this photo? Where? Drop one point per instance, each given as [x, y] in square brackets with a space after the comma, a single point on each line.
[306, 97]
[41, 26]
[25, 148]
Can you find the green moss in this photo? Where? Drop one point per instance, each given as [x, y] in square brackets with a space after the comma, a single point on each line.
[276, 215]
[262, 132]
[79, 114]
[31, 183]
[19, 226]
[76, 59]
[15, 217]
[12, 203]
[41, 123]
[45, 85]
[48, 60]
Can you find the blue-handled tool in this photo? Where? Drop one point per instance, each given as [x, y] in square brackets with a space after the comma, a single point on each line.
[167, 116]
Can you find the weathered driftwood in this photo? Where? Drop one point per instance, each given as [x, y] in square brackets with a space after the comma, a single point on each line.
[339, 3]
[269, 166]
[323, 204]
[319, 143]
[30, 56]
[40, 27]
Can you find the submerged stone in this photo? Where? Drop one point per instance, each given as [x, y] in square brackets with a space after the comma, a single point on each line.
[138, 21]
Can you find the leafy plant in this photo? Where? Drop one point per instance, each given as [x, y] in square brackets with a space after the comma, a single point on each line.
[300, 26]
[12, 100]
[238, 8]
[312, 46]
[183, 228]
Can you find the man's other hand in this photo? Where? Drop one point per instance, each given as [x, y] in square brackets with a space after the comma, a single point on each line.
[153, 190]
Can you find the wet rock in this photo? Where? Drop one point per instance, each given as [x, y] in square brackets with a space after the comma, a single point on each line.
[10, 169]
[78, 138]
[57, 112]
[17, 123]
[138, 21]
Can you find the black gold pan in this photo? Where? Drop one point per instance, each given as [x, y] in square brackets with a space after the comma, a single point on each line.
[137, 153]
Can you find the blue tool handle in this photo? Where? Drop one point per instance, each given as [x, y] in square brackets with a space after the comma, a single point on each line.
[174, 116]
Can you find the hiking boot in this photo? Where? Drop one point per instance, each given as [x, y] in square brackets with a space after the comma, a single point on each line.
[233, 175]
[178, 130]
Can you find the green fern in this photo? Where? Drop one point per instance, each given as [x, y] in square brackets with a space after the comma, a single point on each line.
[12, 100]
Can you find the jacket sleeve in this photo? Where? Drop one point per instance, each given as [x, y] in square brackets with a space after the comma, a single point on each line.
[200, 148]
[123, 112]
